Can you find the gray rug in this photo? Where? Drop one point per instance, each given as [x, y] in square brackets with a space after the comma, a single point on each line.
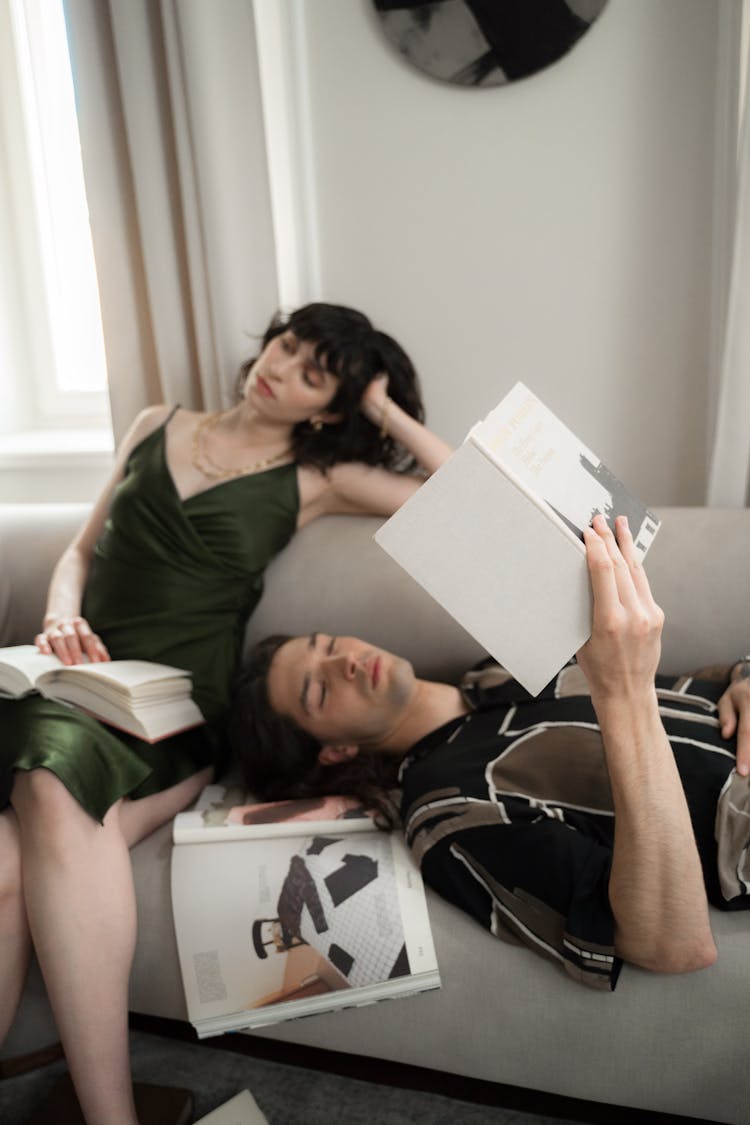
[288, 1095]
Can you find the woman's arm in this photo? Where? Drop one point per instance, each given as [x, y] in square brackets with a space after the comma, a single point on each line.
[64, 632]
[656, 885]
[427, 449]
[356, 489]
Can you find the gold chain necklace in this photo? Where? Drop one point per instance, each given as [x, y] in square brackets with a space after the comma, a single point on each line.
[205, 465]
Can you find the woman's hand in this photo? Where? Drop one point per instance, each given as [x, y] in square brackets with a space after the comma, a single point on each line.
[72, 640]
[375, 403]
[622, 655]
[734, 714]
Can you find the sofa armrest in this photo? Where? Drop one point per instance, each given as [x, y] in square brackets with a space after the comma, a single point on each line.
[32, 538]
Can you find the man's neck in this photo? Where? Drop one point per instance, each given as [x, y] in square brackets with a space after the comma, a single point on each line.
[431, 706]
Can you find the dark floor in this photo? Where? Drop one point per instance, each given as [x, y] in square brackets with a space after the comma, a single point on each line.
[306, 1086]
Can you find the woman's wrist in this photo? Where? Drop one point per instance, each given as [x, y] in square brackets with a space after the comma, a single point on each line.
[380, 414]
[384, 417]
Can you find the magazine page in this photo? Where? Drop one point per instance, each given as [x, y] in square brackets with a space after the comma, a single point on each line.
[227, 812]
[309, 924]
[547, 459]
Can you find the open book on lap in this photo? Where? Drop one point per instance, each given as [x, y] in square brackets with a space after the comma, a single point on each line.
[151, 701]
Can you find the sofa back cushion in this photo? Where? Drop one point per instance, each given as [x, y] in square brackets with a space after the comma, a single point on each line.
[334, 578]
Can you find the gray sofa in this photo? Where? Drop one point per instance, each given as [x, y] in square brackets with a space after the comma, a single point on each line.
[676, 1044]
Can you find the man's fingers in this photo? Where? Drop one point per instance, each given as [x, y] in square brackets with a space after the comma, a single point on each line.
[743, 744]
[633, 560]
[727, 716]
[601, 571]
[632, 583]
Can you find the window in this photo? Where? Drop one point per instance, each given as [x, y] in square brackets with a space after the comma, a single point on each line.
[51, 346]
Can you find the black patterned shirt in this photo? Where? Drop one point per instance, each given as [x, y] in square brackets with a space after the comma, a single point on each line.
[508, 811]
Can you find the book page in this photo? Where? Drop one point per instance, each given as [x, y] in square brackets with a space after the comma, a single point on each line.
[267, 933]
[227, 812]
[547, 459]
[20, 665]
[131, 679]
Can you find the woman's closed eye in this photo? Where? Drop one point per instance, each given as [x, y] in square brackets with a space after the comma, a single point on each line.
[313, 378]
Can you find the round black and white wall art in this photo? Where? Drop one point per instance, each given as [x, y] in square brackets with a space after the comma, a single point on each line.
[485, 42]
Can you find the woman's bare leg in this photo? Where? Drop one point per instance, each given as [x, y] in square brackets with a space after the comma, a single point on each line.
[80, 903]
[139, 818]
[15, 939]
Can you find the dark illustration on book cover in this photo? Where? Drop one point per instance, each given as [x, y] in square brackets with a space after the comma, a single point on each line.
[621, 503]
[553, 465]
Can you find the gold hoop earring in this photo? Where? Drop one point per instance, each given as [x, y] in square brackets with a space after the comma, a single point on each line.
[317, 425]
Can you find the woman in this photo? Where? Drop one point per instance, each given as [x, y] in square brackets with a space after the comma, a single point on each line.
[168, 567]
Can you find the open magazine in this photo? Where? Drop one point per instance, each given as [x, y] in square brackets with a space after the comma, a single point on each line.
[496, 535]
[317, 916]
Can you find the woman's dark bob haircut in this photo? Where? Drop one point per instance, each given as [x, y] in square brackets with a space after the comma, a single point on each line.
[348, 346]
[279, 760]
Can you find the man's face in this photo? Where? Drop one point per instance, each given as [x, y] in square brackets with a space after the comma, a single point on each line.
[339, 689]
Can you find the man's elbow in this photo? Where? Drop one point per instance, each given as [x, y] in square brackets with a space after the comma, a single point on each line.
[684, 957]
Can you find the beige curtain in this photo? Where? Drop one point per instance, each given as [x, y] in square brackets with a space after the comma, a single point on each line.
[174, 159]
[729, 463]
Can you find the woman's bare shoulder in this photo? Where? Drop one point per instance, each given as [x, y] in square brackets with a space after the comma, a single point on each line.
[152, 417]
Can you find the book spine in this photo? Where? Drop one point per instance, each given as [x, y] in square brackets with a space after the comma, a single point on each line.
[531, 496]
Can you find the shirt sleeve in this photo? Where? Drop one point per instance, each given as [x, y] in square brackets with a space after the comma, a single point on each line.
[541, 883]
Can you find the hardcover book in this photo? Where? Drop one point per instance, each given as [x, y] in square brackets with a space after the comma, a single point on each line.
[271, 928]
[496, 535]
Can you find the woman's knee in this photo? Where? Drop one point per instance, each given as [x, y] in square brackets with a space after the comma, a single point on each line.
[47, 810]
[39, 790]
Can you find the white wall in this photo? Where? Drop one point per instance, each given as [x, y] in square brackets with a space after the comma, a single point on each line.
[557, 230]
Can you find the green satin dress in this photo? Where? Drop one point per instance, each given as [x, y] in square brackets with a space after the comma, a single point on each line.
[170, 581]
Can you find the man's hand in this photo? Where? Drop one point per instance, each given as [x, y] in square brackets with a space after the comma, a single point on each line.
[72, 640]
[734, 714]
[621, 657]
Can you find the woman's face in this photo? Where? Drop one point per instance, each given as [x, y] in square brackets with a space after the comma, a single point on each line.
[287, 383]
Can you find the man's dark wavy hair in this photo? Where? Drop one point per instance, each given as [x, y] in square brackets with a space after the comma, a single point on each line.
[347, 345]
[279, 760]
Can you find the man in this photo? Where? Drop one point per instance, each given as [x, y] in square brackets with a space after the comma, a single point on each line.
[592, 823]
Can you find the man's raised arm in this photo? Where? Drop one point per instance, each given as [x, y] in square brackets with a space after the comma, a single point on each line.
[656, 887]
